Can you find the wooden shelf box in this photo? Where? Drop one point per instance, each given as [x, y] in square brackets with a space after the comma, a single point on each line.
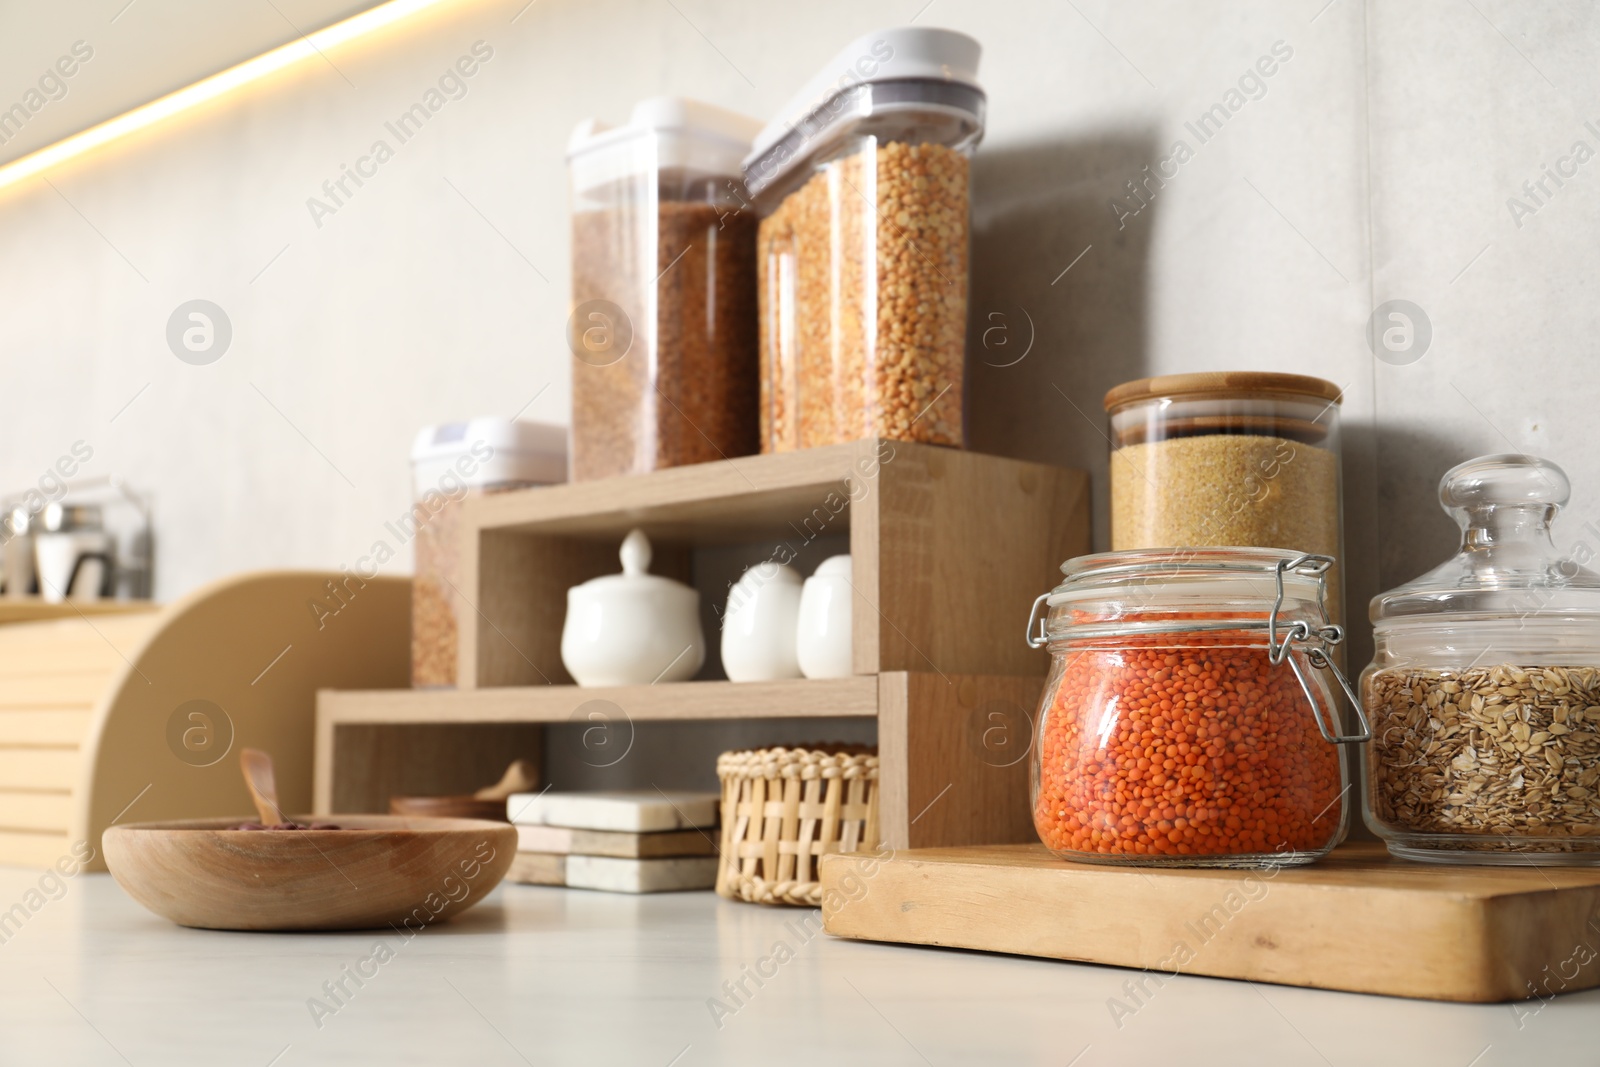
[949, 549]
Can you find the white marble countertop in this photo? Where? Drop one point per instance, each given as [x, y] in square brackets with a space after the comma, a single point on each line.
[555, 976]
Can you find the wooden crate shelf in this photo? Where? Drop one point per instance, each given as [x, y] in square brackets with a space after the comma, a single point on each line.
[802, 697]
[941, 783]
[948, 549]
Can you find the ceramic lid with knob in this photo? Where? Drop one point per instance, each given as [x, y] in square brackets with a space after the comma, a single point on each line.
[635, 577]
[1508, 567]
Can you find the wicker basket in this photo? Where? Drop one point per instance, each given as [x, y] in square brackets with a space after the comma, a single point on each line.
[784, 807]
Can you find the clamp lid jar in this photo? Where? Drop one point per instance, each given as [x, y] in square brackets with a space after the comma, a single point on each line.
[1188, 718]
[1484, 691]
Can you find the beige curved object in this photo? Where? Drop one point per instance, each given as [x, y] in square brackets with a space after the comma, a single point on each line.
[246, 654]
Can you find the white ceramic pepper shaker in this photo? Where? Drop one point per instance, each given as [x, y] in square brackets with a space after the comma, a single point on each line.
[758, 629]
[822, 639]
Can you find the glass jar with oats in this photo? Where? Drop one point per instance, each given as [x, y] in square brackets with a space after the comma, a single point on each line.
[863, 187]
[1484, 693]
[1228, 458]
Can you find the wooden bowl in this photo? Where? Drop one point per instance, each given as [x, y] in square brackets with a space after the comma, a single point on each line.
[450, 807]
[376, 870]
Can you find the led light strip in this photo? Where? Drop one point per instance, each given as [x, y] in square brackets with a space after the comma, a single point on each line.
[209, 88]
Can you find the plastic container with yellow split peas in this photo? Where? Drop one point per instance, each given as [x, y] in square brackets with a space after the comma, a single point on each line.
[863, 189]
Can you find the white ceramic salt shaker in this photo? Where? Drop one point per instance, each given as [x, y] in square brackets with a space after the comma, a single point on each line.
[822, 637]
[758, 629]
[632, 628]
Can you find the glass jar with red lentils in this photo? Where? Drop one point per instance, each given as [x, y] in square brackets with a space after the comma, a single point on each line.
[1190, 717]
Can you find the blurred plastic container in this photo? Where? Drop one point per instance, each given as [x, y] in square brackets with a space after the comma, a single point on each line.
[449, 463]
[863, 187]
[663, 329]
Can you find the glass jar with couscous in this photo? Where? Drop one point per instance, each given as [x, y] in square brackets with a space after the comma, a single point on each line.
[1228, 458]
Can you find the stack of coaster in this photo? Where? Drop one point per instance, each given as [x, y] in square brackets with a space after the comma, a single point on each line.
[647, 842]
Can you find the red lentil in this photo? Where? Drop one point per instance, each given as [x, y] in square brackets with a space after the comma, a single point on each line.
[1200, 750]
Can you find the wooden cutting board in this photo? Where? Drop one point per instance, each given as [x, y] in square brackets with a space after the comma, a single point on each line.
[1357, 920]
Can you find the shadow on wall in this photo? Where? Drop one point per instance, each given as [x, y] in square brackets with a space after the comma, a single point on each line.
[1394, 528]
[1417, 534]
[1058, 301]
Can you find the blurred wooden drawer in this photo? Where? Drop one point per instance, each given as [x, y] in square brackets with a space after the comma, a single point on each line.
[24, 848]
[48, 810]
[38, 768]
[76, 688]
[44, 726]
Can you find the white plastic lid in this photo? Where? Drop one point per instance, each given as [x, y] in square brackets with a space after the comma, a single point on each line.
[689, 135]
[925, 78]
[488, 451]
[898, 54]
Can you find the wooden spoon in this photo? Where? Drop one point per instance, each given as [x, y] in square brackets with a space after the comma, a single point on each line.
[263, 787]
[519, 778]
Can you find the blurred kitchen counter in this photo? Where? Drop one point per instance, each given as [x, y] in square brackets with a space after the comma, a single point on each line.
[539, 975]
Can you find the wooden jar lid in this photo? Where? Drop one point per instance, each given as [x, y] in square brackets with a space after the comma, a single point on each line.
[1236, 384]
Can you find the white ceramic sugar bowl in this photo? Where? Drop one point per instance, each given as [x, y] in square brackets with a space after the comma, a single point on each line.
[633, 628]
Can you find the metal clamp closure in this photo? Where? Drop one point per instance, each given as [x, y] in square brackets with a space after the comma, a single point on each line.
[1037, 640]
[1316, 644]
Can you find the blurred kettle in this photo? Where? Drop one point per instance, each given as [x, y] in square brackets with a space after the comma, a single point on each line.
[73, 553]
[16, 552]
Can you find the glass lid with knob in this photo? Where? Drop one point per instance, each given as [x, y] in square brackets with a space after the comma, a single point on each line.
[1508, 566]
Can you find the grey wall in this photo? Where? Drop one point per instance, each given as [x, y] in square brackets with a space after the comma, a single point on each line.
[1376, 165]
